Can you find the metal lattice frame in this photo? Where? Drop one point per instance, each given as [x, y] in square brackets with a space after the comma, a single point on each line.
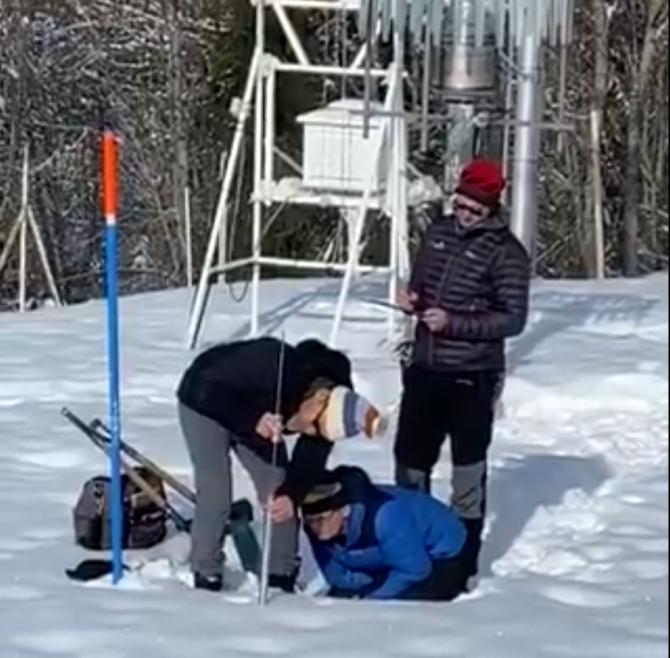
[515, 26]
[259, 94]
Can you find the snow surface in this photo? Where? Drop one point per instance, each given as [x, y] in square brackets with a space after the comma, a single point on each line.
[576, 556]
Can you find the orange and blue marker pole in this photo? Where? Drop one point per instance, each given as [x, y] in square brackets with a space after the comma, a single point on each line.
[110, 208]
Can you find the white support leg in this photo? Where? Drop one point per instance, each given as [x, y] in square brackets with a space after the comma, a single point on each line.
[399, 164]
[220, 217]
[13, 233]
[403, 228]
[188, 237]
[41, 250]
[22, 261]
[23, 235]
[403, 223]
[354, 244]
[394, 179]
[399, 201]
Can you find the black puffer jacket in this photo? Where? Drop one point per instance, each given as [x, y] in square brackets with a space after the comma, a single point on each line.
[234, 384]
[481, 278]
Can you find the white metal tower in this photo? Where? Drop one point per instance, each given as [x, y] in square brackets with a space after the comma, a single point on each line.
[355, 152]
[356, 172]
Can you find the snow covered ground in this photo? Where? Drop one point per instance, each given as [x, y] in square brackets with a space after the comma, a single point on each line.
[576, 559]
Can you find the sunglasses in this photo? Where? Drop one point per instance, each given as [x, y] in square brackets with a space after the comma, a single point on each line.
[318, 518]
[477, 212]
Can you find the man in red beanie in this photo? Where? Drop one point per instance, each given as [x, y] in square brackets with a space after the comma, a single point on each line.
[468, 292]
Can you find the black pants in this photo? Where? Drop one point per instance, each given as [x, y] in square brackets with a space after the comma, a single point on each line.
[446, 581]
[461, 406]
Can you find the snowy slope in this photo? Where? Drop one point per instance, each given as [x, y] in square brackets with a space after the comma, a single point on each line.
[576, 559]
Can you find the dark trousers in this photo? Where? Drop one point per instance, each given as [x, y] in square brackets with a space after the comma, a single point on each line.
[446, 581]
[461, 406]
[210, 446]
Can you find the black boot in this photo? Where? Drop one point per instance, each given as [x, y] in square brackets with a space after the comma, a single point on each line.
[211, 583]
[284, 582]
[412, 478]
[473, 544]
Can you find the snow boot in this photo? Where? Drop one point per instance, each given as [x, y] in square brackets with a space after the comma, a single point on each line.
[210, 583]
[284, 582]
[91, 570]
[472, 547]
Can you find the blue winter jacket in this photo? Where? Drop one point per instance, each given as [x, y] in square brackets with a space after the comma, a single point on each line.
[391, 538]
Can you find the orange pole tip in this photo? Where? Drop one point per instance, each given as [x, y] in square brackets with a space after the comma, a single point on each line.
[109, 174]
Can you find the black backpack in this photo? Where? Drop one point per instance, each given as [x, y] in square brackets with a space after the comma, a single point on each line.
[144, 522]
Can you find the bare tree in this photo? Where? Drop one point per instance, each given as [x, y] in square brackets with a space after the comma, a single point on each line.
[648, 20]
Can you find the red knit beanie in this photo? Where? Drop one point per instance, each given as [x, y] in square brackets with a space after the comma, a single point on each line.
[482, 181]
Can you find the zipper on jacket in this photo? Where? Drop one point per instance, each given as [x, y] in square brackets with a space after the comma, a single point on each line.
[448, 268]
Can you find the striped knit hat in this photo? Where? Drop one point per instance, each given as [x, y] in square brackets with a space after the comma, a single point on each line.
[348, 414]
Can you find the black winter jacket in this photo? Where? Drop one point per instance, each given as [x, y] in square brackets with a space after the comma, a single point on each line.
[481, 277]
[234, 384]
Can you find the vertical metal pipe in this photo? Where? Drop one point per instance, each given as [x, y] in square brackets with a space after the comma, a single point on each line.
[188, 237]
[270, 91]
[425, 90]
[367, 80]
[523, 221]
[257, 211]
[398, 166]
[23, 235]
[220, 226]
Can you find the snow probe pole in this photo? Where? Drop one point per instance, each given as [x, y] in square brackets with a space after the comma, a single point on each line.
[109, 208]
[267, 521]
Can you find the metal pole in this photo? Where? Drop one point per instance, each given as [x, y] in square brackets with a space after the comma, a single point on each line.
[322, 69]
[599, 232]
[109, 204]
[397, 173]
[41, 250]
[270, 90]
[4, 256]
[395, 216]
[367, 80]
[357, 232]
[257, 211]
[23, 235]
[267, 520]
[425, 90]
[220, 217]
[187, 237]
[507, 125]
[523, 221]
[22, 260]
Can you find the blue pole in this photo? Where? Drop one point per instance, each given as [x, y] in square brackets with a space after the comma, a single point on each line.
[111, 245]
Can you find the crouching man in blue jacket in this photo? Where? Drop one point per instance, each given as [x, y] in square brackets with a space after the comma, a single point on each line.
[383, 542]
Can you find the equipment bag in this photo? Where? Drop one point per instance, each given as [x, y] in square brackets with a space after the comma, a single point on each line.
[144, 522]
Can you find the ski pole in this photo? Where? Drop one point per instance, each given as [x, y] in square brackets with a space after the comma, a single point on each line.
[383, 304]
[135, 454]
[103, 444]
[267, 520]
[394, 307]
